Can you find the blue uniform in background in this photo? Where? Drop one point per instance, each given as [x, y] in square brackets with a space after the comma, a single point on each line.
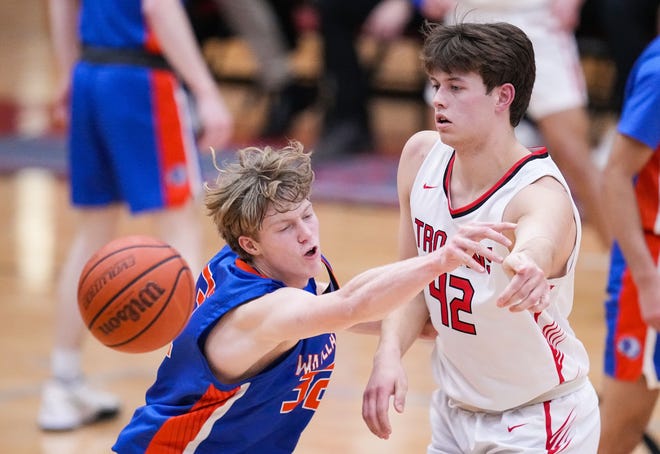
[632, 348]
[189, 409]
[131, 136]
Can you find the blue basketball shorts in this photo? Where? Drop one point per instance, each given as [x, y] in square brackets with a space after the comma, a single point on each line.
[631, 346]
[131, 138]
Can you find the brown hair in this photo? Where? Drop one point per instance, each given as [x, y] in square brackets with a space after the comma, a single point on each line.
[499, 52]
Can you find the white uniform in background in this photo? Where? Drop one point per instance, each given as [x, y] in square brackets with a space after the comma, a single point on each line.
[560, 83]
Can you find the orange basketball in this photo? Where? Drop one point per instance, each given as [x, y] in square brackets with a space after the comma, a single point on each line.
[135, 294]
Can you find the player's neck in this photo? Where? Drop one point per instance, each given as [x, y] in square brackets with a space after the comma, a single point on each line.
[476, 169]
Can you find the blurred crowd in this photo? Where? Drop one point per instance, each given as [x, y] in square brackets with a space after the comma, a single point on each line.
[614, 30]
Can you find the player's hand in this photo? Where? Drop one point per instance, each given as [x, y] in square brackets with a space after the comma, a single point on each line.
[461, 248]
[649, 301]
[217, 123]
[388, 378]
[528, 289]
[59, 109]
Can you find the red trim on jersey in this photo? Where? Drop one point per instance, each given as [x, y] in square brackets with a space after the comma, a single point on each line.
[169, 139]
[535, 153]
[210, 286]
[151, 43]
[646, 191]
[178, 431]
[555, 335]
[243, 265]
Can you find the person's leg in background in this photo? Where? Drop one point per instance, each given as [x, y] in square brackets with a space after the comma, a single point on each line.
[629, 26]
[566, 135]
[268, 28]
[559, 106]
[634, 416]
[345, 88]
[67, 400]
[180, 227]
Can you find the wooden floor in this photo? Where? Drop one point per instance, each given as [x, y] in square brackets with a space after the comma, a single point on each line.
[37, 224]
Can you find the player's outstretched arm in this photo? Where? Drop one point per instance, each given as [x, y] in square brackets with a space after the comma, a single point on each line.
[545, 237]
[375, 293]
[275, 321]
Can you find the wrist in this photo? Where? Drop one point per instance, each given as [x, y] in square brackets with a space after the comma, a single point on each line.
[385, 353]
[204, 89]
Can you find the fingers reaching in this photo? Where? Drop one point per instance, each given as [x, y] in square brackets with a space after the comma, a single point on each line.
[465, 247]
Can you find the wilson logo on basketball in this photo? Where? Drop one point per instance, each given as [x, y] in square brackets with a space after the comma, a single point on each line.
[133, 310]
[136, 293]
[109, 274]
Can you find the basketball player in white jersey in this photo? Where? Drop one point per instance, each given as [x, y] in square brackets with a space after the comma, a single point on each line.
[512, 376]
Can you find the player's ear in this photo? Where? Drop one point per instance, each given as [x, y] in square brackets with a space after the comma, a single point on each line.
[249, 245]
[505, 95]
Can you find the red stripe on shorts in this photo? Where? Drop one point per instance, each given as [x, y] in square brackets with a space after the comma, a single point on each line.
[169, 133]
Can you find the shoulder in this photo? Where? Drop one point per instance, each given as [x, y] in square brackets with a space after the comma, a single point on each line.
[538, 178]
[415, 151]
[418, 146]
[645, 75]
[557, 201]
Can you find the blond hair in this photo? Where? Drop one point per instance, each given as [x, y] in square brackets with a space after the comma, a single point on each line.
[261, 178]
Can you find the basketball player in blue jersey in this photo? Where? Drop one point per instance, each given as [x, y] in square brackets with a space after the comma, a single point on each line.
[632, 361]
[512, 376]
[249, 370]
[131, 145]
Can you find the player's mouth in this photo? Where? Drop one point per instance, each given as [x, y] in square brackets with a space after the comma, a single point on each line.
[441, 120]
[311, 252]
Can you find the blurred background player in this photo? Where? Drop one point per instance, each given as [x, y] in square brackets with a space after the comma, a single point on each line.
[131, 143]
[345, 86]
[630, 383]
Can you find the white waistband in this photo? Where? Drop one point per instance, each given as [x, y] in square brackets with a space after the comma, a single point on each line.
[558, 391]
